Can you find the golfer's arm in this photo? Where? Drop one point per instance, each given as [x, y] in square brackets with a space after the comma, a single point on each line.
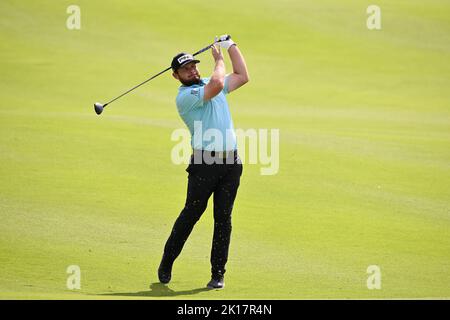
[216, 82]
[239, 76]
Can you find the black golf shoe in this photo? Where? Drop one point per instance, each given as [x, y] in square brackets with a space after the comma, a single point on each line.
[216, 283]
[164, 276]
[164, 272]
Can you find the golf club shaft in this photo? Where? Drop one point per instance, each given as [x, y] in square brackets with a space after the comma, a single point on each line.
[135, 87]
[140, 84]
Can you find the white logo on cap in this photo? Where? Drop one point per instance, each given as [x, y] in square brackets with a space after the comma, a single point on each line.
[185, 57]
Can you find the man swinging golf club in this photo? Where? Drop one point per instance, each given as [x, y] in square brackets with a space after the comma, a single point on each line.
[215, 167]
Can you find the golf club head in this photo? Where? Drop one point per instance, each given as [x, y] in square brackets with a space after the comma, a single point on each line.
[98, 107]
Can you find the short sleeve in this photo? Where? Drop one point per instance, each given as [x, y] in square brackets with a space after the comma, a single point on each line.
[225, 86]
[190, 98]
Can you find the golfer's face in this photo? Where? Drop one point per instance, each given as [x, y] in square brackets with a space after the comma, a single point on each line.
[189, 73]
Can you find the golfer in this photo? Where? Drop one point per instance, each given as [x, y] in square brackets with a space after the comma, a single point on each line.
[215, 167]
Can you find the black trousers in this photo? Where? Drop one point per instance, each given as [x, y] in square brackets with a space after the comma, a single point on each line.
[222, 180]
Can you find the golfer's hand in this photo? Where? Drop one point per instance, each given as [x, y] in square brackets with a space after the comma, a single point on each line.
[225, 41]
[216, 52]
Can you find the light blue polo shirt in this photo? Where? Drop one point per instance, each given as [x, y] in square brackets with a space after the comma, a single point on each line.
[209, 122]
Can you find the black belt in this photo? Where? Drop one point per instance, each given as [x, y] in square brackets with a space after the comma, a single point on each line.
[216, 154]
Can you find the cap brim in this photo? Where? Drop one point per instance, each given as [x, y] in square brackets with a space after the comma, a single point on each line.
[186, 62]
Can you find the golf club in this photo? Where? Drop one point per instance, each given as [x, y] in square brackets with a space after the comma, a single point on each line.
[98, 107]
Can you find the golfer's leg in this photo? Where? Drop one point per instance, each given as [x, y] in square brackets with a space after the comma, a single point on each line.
[198, 193]
[224, 197]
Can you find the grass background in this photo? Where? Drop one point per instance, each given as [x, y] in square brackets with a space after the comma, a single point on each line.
[364, 124]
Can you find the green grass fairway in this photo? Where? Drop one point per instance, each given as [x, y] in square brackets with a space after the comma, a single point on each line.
[364, 123]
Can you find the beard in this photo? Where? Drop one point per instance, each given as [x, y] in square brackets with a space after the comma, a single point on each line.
[190, 82]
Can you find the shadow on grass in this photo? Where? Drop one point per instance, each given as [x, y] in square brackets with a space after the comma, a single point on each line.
[157, 290]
